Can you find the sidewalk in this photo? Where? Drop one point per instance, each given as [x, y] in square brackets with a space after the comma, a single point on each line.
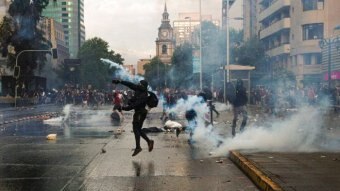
[294, 171]
[291, 171]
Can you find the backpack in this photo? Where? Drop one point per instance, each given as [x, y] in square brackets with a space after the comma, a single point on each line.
[152, 100]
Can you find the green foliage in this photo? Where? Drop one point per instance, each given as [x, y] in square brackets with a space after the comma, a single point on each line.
[92, 70]
[155, 73]
[25, 35]
[6, 31]
[251, 52]
[181, 70]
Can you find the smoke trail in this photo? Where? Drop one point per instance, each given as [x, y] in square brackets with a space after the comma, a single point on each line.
[121, 72]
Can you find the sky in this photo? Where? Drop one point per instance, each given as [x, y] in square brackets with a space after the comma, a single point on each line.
[131, 26]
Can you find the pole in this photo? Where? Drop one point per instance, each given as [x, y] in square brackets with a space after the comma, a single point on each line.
[227, 47]
[227, 28]
[329, 65]
[201, 68]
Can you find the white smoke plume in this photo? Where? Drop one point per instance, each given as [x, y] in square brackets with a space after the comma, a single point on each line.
[121, 72]
[299, 133]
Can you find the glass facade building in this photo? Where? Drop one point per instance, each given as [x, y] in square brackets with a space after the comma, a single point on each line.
[70, 13]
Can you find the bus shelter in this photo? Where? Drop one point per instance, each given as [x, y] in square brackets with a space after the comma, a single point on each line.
[240, 72]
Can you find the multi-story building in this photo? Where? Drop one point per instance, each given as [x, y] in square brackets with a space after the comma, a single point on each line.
[70, 13]
[54, 32]
[291, 31]
[140, 65]
[187, 25]
[130, 68]
[250, 19]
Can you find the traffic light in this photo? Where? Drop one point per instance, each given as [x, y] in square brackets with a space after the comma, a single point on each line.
[16, 72]
[54, 53]
[4, 51]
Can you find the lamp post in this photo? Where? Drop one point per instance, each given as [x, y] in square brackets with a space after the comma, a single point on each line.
[201, 68]
[329, 42]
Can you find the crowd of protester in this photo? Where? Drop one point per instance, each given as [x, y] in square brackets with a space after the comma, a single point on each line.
[262, 96]
[294, 97]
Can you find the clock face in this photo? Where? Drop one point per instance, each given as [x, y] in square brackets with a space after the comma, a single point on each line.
[164, 33]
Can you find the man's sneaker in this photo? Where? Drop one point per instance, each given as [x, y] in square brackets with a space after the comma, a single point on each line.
[150, 145]
[137, 150]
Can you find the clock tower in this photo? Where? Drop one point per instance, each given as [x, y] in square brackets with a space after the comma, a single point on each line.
[165, 44]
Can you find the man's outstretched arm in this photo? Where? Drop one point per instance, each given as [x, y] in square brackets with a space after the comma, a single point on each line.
[128, 84]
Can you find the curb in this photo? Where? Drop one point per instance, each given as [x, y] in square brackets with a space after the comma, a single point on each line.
[255, 174]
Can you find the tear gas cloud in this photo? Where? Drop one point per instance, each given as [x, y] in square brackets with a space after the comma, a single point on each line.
[79, 116]
[299, 133]
[121, 72]
[301, 130]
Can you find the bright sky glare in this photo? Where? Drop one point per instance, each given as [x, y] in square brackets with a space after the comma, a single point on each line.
[131, 27]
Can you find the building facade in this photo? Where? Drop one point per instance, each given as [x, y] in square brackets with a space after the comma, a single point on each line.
[140, 65]
[250, 21]
[70, 13]
[54, 32]
[130, 68]
[164, 43]
[186, 27]
[291, 31]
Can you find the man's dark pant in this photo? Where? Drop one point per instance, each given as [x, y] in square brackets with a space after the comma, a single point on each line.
[237, 111]
[137, 123]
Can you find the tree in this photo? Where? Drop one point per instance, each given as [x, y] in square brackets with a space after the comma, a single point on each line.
[156, 73]
[181, 72]
[92, 70]
[25, 35]
[251, 52]
[6, 31]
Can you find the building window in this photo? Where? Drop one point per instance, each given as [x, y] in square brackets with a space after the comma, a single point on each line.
[63, 9]
[309, 5]
[312, 31]
[318, 58]
[64, 15]
[63, 3]
[312, 59]
[307, 59]
[164, 49]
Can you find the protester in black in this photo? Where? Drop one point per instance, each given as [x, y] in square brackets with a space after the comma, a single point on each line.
[239, 106]
[138, 103]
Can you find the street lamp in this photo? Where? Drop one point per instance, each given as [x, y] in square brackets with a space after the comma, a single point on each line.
[201, 68]
[329, 42]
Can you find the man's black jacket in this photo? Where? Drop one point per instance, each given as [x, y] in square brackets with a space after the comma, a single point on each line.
[138, 100]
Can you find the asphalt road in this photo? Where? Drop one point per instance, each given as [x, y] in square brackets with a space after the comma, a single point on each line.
[92, 154]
